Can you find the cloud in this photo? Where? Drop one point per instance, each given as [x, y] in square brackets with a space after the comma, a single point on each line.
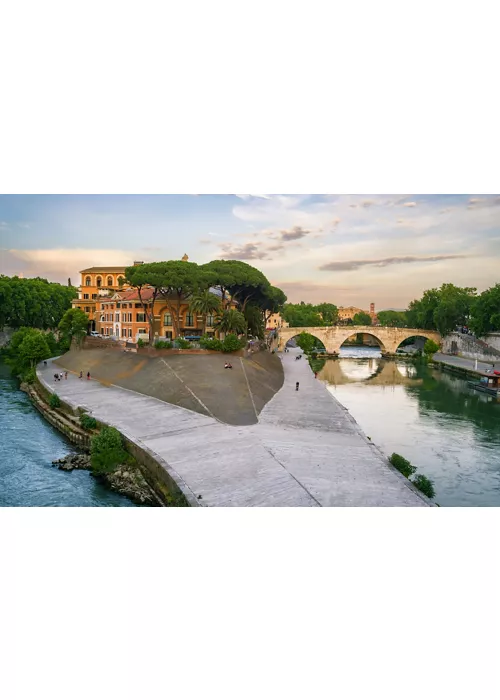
[294, 233]
[410, 204]
[480, 203]
[247, 251]
[346, 265]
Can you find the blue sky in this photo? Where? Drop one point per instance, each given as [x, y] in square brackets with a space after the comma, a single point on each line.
[348, 249]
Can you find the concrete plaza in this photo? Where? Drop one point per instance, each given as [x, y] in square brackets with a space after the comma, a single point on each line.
[305, 450]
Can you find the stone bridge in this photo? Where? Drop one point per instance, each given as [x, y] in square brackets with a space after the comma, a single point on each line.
[333, 337]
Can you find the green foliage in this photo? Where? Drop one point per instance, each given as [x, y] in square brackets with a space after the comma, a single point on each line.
[231, 321]
[88, 422]
[54, 401]
[425, 485]
[315, 364]
[402, 465]
[74, 324]
[29, 376]
[141, 343]
[393, 319]
[306, 342]
[255, 321]
[329, 313]
[302, 316]
[163, 345]
[273, 301]
[442, 309]
[239, 281]
[183, 344]
[231, 343]
[204, 303]
[35, 303]
[362, 319]
[106, 451]
[486, 312]
[208, 343]
[430, 348]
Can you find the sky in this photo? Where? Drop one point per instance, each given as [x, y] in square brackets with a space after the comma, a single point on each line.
[344, 249]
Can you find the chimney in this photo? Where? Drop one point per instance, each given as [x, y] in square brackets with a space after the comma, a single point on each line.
[372, 308]
[138, 262]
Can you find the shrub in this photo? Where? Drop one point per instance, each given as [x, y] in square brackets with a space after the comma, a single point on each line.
[88, 422]
[183, 344]
[30, 376]
[231, 343]
[163, 345]
[106, 451]
[425, 485]
[430, 347]
[208, 343]
[141, 343]
[402, 465]
[54, 401]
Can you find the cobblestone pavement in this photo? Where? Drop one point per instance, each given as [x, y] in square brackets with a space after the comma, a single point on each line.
[306, 450]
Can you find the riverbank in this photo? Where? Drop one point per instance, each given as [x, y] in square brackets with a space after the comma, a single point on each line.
[305, 449]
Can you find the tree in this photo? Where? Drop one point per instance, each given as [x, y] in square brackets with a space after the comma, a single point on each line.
[74, 324]
[237, 280]
[231, 321]
[430, 348]
[34, 303]
[362, 319]
[178, 280]
[486, 312]
[148, 280]
[442, 309]
[302, 316]
[274, 301]
[33, 349]
[392, 319]
[204, 303]
[329, 313]
[255, 321]
[306, 342]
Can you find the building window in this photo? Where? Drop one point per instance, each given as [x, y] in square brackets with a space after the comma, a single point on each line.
[210, 321]
[85, 296]
[168, 335]
[110, 281]
[189, 320]
[87, 309]
[88, 281]
[124, 318]
[140, 318]
[98, 282]
[117, 317]
[130, 318]
[142, 331]
[101, 331]
[129, 332]
[167, 320]
[94, 296]
[118, 304]
[138, 306]
[124, 332]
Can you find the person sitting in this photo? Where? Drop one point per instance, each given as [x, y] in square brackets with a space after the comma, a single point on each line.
[230, 366]
[226, 366]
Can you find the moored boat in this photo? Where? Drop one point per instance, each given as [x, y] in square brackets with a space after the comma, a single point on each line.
[489, 383]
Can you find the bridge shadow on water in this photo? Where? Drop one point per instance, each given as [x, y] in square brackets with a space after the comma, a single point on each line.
[375, 371]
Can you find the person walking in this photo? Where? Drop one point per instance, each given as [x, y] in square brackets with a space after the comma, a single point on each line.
[88, 375]
[65, 375]
[297, 386]
[81, 375]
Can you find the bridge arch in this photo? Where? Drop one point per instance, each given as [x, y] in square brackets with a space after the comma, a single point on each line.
[344, 336]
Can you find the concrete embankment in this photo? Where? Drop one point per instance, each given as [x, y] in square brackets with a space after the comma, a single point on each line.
[305, 449]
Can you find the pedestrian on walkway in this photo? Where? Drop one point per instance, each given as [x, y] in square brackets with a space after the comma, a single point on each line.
[315, 375]
[297, 386]
[65, 375]
[81, 375]
[88, 375]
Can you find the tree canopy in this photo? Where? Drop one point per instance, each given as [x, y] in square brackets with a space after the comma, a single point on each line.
[486, 312]
[302, 316]
[34, 303]
[442, 309]
[362, 319]
[74, 324]
[392, 319]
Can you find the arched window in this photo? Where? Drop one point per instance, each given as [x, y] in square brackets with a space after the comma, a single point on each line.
[98, 281]
[88, 281]
[110, 281]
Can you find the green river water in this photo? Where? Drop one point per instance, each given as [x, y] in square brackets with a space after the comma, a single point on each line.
[450, 432]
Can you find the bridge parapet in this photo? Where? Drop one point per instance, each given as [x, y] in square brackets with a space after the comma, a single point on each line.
[333, 337]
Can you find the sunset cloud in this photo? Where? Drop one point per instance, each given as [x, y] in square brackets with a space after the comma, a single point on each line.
[345, 265]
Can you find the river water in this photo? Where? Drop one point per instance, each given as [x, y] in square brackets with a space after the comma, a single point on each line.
[28, 444]
[450, 432]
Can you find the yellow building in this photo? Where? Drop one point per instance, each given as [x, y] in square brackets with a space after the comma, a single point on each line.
[96, 283]
[276, 321]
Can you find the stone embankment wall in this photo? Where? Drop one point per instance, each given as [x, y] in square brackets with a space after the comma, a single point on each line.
[493, 340]
[5, 336]
[470, 348]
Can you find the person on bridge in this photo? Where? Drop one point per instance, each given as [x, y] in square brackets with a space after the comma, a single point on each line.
[297, 386]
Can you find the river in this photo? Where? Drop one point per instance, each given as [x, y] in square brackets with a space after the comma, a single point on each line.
[450, 432]
[28, 444]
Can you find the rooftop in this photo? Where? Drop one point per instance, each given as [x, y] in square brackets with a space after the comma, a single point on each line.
[103, 270]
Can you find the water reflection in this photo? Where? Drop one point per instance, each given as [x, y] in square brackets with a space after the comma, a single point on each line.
[449, 431]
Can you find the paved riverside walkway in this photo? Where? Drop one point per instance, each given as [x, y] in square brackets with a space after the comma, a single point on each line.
[465, 363]
[305, 450]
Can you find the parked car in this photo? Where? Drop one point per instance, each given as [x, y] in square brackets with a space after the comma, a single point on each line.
[95, 334]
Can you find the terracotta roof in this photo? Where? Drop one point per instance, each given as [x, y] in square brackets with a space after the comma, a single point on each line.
[103, 270]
